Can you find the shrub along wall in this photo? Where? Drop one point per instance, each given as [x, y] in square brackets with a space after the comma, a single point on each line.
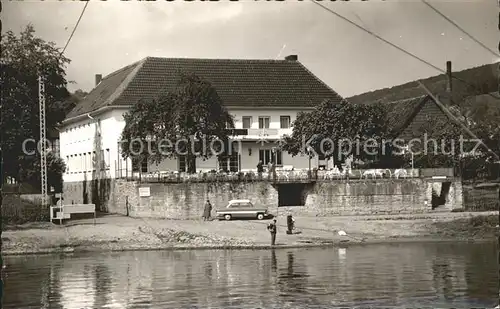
[22, 208]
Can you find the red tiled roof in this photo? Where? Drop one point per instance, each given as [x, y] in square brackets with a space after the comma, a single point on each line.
[248, 83]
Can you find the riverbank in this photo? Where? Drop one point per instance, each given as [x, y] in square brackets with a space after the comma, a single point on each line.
[119, 233]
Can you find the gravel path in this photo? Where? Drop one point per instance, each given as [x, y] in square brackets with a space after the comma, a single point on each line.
[114, 232]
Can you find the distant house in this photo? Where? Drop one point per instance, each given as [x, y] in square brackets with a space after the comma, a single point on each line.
[410, 106]
[407, 118]
[264, 96]
[410, 100]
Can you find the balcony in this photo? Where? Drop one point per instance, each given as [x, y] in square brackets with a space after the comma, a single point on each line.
[259, 134]
[263, 132]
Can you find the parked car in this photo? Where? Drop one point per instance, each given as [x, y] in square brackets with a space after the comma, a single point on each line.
[241, 209]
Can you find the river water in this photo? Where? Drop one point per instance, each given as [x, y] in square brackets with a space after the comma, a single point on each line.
[400, 275]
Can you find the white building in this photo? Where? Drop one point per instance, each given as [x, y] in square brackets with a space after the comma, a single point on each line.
[264, 96]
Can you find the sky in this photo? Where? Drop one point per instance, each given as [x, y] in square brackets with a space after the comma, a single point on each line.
[114, 33]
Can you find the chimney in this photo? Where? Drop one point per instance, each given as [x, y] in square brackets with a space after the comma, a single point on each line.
[98, 78]
[292, 58]
[448, 77]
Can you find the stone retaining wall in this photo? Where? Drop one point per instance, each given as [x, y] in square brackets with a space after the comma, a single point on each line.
[481, 199]
[354, 197]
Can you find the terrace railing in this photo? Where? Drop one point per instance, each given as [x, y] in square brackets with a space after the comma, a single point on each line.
[283, 176]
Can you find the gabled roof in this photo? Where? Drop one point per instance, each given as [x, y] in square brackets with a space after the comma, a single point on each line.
[242, 83]
[401, 113]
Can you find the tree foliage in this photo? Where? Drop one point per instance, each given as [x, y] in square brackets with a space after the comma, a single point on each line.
[55, 169]
[186, 121]
[345, 125]
[72, 100]
[24, 58]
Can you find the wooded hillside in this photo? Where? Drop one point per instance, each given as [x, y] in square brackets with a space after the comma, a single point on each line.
[482, 79]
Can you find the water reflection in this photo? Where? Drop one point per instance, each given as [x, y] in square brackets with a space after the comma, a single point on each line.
[432, 275]
[103, 283]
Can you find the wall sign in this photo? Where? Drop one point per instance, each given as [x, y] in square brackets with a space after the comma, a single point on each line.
[144, 192]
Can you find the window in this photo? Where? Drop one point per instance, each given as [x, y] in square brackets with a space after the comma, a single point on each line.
[264, 122]
[222, 163]
[284, 122]
[89, 161]
[234, 163]
[229, 163]
[67, 164]
[267, 155]
[322, 161]
[138, 165]
[107, 159]
[135, 165]
[182, 164]
[144, 166]
[247, 122]
[241, 205]
[94, 161]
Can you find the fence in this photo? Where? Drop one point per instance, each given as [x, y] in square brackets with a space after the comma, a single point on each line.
[282, 175]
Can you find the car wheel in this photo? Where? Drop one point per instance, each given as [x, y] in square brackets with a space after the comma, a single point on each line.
[260, 216]
[227, 217]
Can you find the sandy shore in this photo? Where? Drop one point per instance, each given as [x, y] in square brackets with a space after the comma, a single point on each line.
[119, 233]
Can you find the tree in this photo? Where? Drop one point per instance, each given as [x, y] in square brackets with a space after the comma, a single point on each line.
[24, 58]
[72, 100]
[187, 121]
[55, 169]
[333, 129]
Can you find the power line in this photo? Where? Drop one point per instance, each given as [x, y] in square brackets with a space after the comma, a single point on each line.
[378, 37]
[460, 28]
[396, 47]
[74, 29]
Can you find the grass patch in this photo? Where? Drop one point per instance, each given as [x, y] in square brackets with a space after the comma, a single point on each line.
[473, 227]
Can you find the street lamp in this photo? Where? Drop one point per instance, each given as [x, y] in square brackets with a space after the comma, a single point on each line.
[309, 152]
[407, 149]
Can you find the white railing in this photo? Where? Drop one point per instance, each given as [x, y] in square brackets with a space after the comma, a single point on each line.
[263, 132]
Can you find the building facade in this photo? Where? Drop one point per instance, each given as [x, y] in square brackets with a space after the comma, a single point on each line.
[263, 96]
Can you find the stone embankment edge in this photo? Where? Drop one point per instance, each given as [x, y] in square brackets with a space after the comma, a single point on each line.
[332, 244]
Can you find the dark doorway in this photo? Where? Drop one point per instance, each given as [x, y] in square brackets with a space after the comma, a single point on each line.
[440, 199]
[292, 194]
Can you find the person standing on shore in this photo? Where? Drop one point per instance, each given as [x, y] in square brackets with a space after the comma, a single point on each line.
[260, 168]
[207, 211]
[272, 229]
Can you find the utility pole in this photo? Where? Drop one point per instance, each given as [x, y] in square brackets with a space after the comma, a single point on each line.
[43, 141]
[498, 229]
